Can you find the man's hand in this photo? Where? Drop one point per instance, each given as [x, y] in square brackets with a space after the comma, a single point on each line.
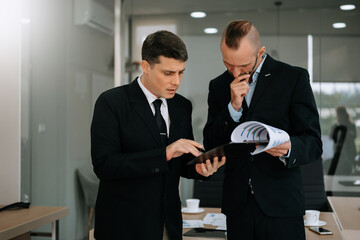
[239, 88]
[181, 146]
[206, 169]
[280, 150]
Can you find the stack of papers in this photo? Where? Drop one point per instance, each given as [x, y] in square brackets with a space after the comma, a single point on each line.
[254, 132]
[193, 224]
[214, 219]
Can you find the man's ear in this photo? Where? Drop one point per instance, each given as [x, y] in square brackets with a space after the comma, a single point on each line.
[262, 51]
[145, 66]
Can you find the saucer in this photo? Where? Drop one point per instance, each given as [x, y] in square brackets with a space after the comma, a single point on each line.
[186, 210]
[320, 224]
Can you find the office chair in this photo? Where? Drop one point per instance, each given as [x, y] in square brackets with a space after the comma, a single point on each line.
[89, 184]
[313, 185]
[338, 147]
[210, 191]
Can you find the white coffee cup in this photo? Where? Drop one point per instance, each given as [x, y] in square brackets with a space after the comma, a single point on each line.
[192, 205]
[312, 217]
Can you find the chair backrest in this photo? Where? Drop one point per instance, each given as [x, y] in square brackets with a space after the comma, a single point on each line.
[210, 191]
[313, 184]
[338, 147]
[89, 184]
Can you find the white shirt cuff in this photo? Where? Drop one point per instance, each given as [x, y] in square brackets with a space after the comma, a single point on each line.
[235, 115]
[283, 158]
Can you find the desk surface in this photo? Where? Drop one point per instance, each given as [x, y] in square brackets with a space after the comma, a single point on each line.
[350, 234]
[328, 217]
[16, 222]
[347, 211]
[331, 225]
[199, 216]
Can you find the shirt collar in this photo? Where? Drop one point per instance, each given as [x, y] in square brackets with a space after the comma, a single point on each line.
[258, 69]
[149, 96]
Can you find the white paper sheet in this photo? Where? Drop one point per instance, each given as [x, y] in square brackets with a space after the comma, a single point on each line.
[193, 224]
[253, 131]
[215, 219]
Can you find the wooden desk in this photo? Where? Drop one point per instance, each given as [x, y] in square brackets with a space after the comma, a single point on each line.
[14, 223]
[199, 216]
[331, 225]
[350, 234]
[328, 217]
[347, 211]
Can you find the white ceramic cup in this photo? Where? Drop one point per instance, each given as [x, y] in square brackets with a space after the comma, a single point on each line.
[192, 205]
[312, 217]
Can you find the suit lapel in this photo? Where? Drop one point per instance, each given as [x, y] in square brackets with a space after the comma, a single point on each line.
[267, 72]
[141, 106]
[175, 119]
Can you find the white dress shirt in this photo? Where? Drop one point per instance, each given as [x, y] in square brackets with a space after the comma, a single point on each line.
[163, 109]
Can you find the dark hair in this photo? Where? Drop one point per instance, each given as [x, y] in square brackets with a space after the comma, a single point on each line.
[235, 31]
[163, 43]
[342, 115]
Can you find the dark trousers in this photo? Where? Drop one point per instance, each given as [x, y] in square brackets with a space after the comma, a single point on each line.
[253, 224]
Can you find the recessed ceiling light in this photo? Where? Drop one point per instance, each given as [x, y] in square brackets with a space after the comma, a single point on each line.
[210, 30]
[347, 7]
[198, 14]
[339, 25]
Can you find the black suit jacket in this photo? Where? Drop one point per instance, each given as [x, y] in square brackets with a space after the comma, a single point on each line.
[138, 190]
[283, 98]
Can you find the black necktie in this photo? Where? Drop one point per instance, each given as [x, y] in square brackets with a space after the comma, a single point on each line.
[244, 111]
[160, 121]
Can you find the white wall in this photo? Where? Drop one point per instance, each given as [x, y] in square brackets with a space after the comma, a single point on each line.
[10, 28]
[204, 64]
[64, 58]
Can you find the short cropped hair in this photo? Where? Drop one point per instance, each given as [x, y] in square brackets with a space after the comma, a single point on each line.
[235, 31]
[163, 43]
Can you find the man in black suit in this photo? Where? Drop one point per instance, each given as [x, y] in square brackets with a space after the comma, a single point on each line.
[139, 160]
[262, 194]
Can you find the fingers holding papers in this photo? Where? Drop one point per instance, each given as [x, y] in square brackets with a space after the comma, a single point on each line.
[280, 150]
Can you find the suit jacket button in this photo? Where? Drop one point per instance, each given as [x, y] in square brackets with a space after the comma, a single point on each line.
[251, 158]
[157, 170]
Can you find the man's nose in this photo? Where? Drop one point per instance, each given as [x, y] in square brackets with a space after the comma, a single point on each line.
[176, 79]
[236, 71]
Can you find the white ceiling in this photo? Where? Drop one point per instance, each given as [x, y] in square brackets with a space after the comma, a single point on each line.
[296, 16]
[140, 7]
